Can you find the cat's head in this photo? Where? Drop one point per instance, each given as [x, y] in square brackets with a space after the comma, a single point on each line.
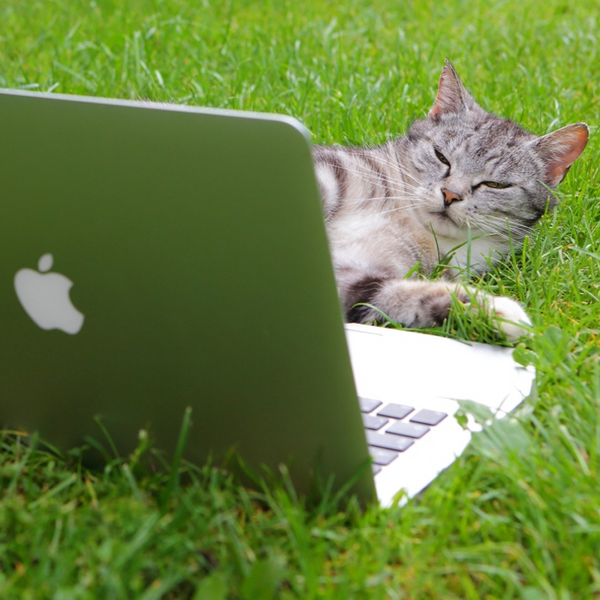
[472, 168]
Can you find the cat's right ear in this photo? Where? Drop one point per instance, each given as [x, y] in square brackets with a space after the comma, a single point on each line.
[560, 149]
[452, 96]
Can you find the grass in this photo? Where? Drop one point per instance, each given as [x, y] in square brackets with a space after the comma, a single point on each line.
[518, 516]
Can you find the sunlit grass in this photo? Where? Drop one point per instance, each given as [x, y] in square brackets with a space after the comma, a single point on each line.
[518, 515]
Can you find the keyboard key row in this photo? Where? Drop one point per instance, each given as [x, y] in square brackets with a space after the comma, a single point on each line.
[399, 411]
[385, 446]
[390, 442]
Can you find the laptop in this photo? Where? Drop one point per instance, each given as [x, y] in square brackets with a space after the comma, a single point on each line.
[157, 257]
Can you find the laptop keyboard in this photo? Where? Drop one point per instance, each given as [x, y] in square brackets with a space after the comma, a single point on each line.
[394, 428]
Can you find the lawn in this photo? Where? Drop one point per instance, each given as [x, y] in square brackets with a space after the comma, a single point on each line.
[518, 516]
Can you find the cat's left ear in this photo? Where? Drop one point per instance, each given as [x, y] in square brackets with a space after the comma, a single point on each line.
[560, 149]
[452, 96]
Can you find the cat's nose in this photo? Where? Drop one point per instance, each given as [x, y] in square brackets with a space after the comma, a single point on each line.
[450, 197]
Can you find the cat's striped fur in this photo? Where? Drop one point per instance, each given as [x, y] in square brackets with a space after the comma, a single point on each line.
[460, 174]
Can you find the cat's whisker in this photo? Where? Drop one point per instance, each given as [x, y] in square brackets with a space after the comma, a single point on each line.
[519, 228]
[399, 208]
[497, 227]
[491, 232]
[398, 168]
[392, 163]
[382, 160]
[481, 224]
[403, 197]
[503, 222]
[510, 227]
[411, 197]
[401, 194]
[485, 226]
[369, 199]
[375, 178]
[366, 176]
[389, 194]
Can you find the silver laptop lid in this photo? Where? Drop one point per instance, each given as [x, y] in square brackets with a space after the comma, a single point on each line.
[195, 244]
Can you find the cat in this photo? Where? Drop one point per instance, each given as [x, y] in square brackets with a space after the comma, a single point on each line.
[462, 185]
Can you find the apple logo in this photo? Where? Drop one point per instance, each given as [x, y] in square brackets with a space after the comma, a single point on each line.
[45, 297]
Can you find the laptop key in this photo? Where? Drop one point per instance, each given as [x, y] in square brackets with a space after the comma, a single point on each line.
[395, 411]
[390, 442]
[368, 404]
[372, 422]
[381, 456]
[429, 417]
[411, 430]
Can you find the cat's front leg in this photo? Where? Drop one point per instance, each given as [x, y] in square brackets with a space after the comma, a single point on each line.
[427, 303]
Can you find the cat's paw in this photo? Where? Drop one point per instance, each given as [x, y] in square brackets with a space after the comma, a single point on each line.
[418, 303]
[429, 303]
[509, 317]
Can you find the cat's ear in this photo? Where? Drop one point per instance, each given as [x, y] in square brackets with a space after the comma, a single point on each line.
[452, 96]
[560, 149]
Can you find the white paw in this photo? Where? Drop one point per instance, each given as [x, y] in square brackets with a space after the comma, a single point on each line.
[509, 317]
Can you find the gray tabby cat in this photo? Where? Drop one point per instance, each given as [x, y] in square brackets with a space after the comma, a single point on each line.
[459, 174]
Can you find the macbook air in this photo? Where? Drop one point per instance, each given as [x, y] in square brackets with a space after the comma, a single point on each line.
[157, 257]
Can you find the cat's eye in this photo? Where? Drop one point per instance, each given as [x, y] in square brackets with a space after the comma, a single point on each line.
[496, 185]
[442, 158]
